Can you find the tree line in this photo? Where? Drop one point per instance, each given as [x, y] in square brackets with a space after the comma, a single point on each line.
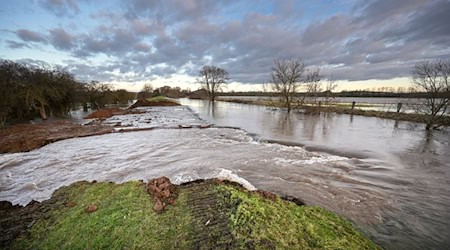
[27, 91]
[292, 81]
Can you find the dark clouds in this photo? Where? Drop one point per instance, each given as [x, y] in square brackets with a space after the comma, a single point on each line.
[30, 36]
[143, 39]
[61, 39]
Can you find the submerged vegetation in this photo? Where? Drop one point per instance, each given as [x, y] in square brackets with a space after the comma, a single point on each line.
[346, 108]
[207, 214]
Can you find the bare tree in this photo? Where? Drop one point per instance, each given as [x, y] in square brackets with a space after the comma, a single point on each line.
[330, 86]
[313, 85]
[287, 78]
[433, 79]
[212, 79]
[146, 91]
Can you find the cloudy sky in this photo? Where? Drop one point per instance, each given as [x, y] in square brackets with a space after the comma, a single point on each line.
[360, 43]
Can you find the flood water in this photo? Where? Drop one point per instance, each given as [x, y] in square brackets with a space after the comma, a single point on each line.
[390, 178]
[398, 165]
[385, 104]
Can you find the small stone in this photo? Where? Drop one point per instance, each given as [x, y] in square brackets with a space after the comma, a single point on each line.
[91, 208]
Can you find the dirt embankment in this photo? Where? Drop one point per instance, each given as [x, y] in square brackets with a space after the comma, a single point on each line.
[26, 137]
[108, 112]
[145, 103]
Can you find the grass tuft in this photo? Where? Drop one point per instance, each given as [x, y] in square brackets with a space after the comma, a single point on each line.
[261, 223]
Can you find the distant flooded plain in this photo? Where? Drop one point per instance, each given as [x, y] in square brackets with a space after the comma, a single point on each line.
[392, 179]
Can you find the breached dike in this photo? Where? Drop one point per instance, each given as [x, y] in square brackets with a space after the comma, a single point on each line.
[156, 117]
[182, 155]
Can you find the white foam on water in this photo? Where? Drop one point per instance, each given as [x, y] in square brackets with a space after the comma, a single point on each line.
[156, 117]
[310, 161]
[226, 174]
[221, 174]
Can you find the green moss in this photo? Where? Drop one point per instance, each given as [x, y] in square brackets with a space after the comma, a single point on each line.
[260, 222]
[157, 98]
[124, 219]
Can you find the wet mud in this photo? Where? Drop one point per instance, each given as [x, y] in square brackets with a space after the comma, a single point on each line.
[26, 137]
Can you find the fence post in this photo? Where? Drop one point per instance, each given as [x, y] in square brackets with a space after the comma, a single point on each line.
[353, 105]
[399, 107]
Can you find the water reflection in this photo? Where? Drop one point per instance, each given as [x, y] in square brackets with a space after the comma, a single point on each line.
[212, 110]
[309, 126]
[284, 124]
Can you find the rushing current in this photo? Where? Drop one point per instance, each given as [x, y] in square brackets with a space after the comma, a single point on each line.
[390, 178]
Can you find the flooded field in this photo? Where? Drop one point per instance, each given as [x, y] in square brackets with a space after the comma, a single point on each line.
[390, 178]
[385, 104]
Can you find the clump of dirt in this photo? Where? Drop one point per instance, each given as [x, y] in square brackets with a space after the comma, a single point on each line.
[145, 103]
[266, 194]
[295, 200]
[26, 137]
[91, 208]
[163, 191]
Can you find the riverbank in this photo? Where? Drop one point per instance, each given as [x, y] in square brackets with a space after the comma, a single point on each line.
[203, 214]
[344, 109]
[27, 137]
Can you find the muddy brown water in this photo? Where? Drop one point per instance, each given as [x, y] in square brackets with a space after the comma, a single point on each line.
[390, 178]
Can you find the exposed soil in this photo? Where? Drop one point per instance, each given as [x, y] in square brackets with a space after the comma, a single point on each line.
[163, 191]
[105, 113]
[209, 217]
[26, 137]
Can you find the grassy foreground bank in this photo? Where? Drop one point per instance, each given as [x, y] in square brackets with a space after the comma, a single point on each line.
[207, 214]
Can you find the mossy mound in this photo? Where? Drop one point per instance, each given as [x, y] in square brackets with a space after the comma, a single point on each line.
[207, 214]
[156, 101]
